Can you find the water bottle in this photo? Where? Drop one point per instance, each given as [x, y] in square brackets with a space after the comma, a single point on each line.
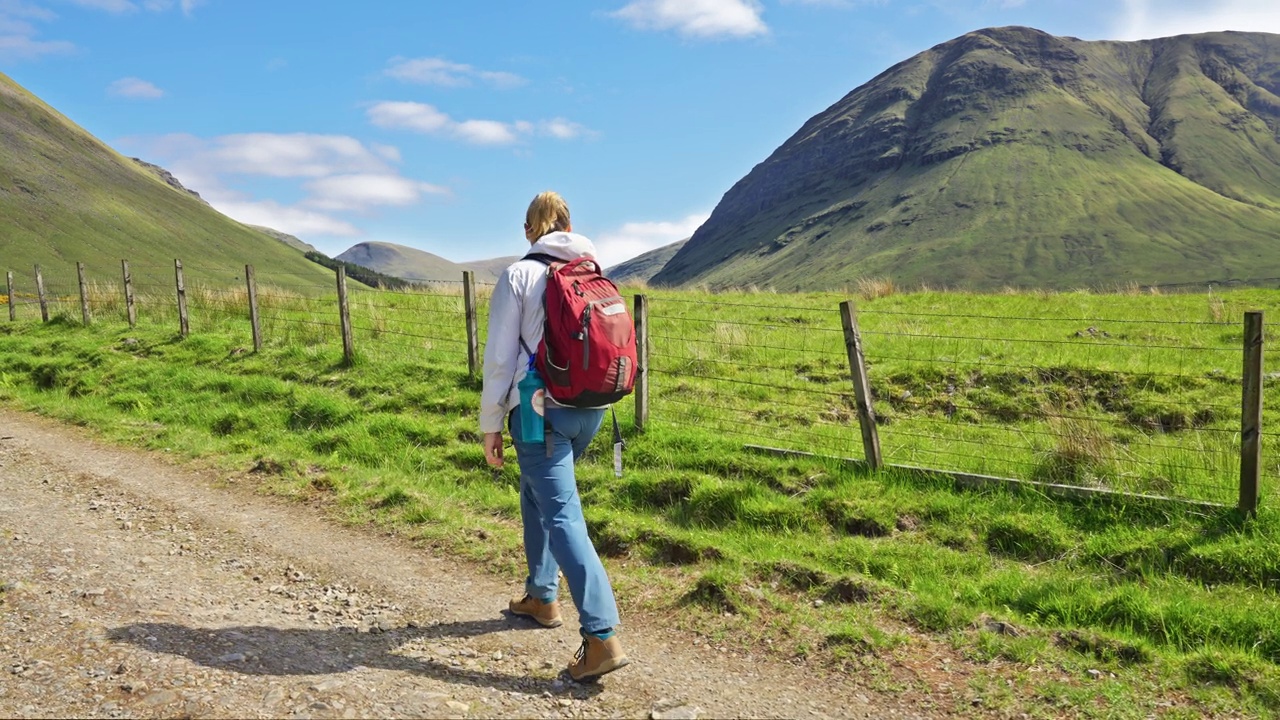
[533, 394]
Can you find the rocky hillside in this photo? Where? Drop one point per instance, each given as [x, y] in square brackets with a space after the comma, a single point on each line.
[1012, 157]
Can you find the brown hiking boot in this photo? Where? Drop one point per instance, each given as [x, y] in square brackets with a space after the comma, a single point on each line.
[597, 658]
[546, 614]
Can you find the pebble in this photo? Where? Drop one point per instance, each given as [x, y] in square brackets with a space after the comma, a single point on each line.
[159, 698]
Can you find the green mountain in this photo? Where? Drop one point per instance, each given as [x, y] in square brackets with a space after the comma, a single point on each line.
[67, 197]
[1012, 157]
[405, 262]
[642, 268]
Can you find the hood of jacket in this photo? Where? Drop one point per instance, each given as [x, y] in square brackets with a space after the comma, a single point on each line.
[564, 246]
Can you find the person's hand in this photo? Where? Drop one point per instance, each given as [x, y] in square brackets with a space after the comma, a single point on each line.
[493, 449]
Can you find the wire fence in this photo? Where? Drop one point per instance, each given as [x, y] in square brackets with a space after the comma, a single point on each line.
[1144, 405]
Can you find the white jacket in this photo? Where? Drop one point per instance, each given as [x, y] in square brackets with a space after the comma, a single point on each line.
[515, 311]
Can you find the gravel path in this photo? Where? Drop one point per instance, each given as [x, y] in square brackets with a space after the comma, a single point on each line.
[135, 588]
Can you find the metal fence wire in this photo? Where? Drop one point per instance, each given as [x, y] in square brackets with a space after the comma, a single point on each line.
[1144, 405]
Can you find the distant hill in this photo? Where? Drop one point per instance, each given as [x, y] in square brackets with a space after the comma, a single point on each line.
[489, 270]
[643, 267]
[67, 197]
[1012, 157]
[402, 262]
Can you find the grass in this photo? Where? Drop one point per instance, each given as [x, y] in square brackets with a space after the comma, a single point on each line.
[800, 557]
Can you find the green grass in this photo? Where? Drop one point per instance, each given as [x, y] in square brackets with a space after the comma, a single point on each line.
[1174, 600]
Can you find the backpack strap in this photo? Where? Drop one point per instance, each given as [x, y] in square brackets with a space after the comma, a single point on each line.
[543, 258]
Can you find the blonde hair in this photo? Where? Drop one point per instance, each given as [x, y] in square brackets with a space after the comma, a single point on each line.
[547, 213]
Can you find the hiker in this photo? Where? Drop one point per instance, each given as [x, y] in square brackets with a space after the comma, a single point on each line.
[555, 531]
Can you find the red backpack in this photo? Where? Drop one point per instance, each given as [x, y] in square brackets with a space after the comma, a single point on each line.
[587, 356]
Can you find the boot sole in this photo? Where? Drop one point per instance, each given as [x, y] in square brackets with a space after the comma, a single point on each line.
[608, 668]
[544, 623]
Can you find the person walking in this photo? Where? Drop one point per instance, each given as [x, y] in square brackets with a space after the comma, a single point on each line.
[555, 531]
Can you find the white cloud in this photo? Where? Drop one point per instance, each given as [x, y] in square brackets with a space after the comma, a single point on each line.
[337, 174]
[418, 117]
[637, 238]
[26, 47]
[486, 132]
[697, 18]
[361, 192]
[289, 219]
[111, 6]
[189, 6]
[562, 129]
[135, 89]
[1143, 19]
[429, 120]
[18, 33]
[441, 72]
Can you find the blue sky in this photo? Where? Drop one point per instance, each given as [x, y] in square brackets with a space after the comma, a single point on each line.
[432, 123]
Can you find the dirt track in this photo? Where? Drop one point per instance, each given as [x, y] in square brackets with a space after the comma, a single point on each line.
[137, 588]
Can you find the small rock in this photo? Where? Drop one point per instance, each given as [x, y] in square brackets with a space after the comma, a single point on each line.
[327, 685]
[232, 658]
[565, 702]
[159, 698]
[135, 687]
[458, 706]
[670, 711]
[497, 655]
[273, 696]
[1095, 674]
[818, 603]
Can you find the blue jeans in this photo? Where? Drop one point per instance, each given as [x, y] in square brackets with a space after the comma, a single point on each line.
[555, 532]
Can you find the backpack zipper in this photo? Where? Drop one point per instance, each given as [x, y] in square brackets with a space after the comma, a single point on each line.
[586, 337]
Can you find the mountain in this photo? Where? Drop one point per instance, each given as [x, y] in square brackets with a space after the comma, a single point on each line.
[489, 270]
[642, 268]
[1012, 157]
[286, 238]
[67, 197]
[403, 262]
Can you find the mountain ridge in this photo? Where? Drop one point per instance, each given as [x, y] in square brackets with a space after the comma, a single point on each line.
[1012, 157]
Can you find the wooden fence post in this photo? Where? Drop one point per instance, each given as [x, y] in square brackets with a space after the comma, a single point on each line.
[344, 312]
[1251, 414]
[641, 319]
[253, 308]
[184, 322]
[473, 322]
[13, 310]
[44, 302]
[861, 387]
[84, 294]
[130, 310]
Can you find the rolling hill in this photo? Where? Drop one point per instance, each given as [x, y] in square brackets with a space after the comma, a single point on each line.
[405, 262]
[67, 197]
[642, 268]
[490, 269]
[1012, 157]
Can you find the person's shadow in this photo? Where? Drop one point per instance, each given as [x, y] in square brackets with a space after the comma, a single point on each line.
[260, 650]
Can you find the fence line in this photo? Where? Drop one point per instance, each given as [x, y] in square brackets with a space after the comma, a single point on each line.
[1139, 412]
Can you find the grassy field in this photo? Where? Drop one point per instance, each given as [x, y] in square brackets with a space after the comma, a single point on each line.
[1175, 605]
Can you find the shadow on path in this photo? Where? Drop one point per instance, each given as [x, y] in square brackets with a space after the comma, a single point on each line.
[260, 650]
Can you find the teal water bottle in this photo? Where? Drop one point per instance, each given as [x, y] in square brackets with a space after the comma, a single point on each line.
[533, 393]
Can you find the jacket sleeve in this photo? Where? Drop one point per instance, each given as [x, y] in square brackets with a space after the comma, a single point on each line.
[501, 353]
